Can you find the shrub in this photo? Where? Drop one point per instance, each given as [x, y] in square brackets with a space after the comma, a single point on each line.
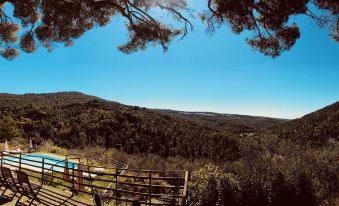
[305, 191]
[204, 185]
[271, 172]
[49, 146]
[283, 192]
[229, 190]
[9, 128]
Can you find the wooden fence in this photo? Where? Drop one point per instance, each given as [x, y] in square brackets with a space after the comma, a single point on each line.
[122, 185]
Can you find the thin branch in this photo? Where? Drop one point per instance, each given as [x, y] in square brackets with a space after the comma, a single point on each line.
[154, 23]
[144, 14]
[255, 24]
[173, 11]
[210, 7]
[317, 18]
[268, 32]
[7, 17]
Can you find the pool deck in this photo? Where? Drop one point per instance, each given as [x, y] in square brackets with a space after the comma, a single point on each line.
[52, 197]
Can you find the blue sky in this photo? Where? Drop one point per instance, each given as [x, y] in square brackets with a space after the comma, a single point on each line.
[218, 73]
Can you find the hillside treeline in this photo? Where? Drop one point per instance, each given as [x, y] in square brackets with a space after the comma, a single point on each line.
[315, 128]
[270, 172]
[228, 122]
[135, 130]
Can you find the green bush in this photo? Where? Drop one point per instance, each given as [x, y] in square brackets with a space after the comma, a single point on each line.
[204, 185]
[229, 190]
[271, 172]
[49, 146]
[9, 129]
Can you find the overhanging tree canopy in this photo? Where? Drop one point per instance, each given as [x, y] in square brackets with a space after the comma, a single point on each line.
[268, 20]
[51, 22]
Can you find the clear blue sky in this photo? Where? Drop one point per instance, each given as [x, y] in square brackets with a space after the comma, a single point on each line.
[219, 73]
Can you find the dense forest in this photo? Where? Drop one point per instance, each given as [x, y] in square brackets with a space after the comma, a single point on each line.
[77, 120]
[316, 127]
[235, 160]
[228, 122]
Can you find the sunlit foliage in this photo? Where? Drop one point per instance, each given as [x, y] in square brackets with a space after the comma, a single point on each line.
[270, 20]
[279, 173]
[53, 22]
[9, 128]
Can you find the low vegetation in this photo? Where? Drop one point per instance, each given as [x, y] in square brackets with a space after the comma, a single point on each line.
[50, 147]
[271, 172]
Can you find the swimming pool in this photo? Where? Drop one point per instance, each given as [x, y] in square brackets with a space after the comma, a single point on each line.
[34, 161]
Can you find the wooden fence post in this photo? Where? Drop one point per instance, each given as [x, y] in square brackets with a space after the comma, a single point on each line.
[90, 176]
[150, 188]
[73, 185]
[43, 171]
[66, 170]
[80, 185]
[185, 192]
[116, 186]
[20, 162]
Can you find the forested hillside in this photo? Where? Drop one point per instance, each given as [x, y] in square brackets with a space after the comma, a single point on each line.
[252, 160]
[77, 120]
[74, 119]
[229, 122]
[43, 100]
[316, 127]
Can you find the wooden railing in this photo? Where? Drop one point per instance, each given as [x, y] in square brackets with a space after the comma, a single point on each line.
[148, 187]
[100, 159]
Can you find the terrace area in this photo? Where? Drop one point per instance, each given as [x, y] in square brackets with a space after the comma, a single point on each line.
[74, 180]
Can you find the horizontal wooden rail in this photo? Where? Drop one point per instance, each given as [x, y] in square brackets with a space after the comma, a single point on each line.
[143, 186]
[146, 172]
[96, 173]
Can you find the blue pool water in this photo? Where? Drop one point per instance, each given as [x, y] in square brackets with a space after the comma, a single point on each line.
[51, 162]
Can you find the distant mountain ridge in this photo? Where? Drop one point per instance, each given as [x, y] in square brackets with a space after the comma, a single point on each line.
[230, 122]
[233, 122]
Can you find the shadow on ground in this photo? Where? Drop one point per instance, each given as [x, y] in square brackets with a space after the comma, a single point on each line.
[48, 197]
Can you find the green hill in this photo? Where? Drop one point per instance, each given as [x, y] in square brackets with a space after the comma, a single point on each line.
[316, 127]
[77, 120]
